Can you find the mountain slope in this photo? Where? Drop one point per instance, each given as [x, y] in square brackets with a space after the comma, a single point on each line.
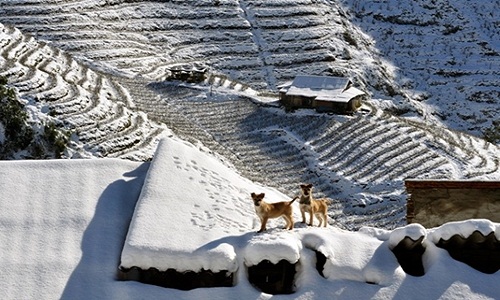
[447, 54]
[442, 53]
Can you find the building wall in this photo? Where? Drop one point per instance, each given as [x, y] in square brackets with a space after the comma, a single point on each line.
[291, 102]
[328, 106]
[433, 203]
[356, 102]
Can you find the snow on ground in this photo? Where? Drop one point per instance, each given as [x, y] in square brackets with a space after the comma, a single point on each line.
[63, 224]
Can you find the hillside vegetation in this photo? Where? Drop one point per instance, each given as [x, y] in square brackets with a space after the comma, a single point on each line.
[20, 138]
[98, 68]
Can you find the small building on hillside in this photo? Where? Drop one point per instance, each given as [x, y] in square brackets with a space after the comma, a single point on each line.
[188, 73]
[323, 93]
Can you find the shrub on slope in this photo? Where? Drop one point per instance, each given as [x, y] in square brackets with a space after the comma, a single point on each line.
[20, 138]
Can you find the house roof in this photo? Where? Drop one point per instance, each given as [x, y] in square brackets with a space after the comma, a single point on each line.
[323, 88]
[343, 96]
[206, 215]
[320, 82]
[63, 232]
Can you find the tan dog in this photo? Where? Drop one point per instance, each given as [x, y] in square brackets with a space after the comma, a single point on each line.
[315, 207]
[265, 211]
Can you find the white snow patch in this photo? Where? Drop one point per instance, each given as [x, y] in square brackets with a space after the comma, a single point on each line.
[464, 229]
[353, 256]
[412, 231]
[276, 246]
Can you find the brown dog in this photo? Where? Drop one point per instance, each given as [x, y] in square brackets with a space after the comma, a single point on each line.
[272, 210]
[315, 207]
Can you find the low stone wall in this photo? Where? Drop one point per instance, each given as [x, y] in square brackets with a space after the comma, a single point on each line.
[433, 203]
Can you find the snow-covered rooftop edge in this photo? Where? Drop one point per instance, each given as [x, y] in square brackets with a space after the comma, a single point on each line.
[63, 224]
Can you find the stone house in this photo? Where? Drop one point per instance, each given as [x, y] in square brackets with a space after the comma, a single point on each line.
[323, 93]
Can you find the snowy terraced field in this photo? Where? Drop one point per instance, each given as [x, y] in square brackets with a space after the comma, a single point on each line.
[90, 102]
[359, 161]
[98, 67]
[261, 43]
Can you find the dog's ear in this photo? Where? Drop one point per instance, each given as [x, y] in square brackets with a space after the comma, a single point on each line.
[253, 195]
[302, 186]
[262, 195]
[309, 185]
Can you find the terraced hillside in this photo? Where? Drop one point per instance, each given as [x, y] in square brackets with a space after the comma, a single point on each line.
[438, 59]
[261, 43]
[91, 104]
[99, 66]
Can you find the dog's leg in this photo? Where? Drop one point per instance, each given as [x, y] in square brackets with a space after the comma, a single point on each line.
[325, 218]
[320, 219]
[289, 222]
[303, 213]
[263, 224]
[311, 215]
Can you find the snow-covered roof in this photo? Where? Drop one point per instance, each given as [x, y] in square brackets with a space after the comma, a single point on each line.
[321, 82]
[343, 96]
[187, 203]
[63, 224]
[323, 88]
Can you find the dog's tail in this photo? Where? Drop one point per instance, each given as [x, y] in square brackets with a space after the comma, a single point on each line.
[296, 197]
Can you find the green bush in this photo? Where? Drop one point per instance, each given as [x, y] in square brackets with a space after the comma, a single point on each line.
[19, 134]
[55, 138]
